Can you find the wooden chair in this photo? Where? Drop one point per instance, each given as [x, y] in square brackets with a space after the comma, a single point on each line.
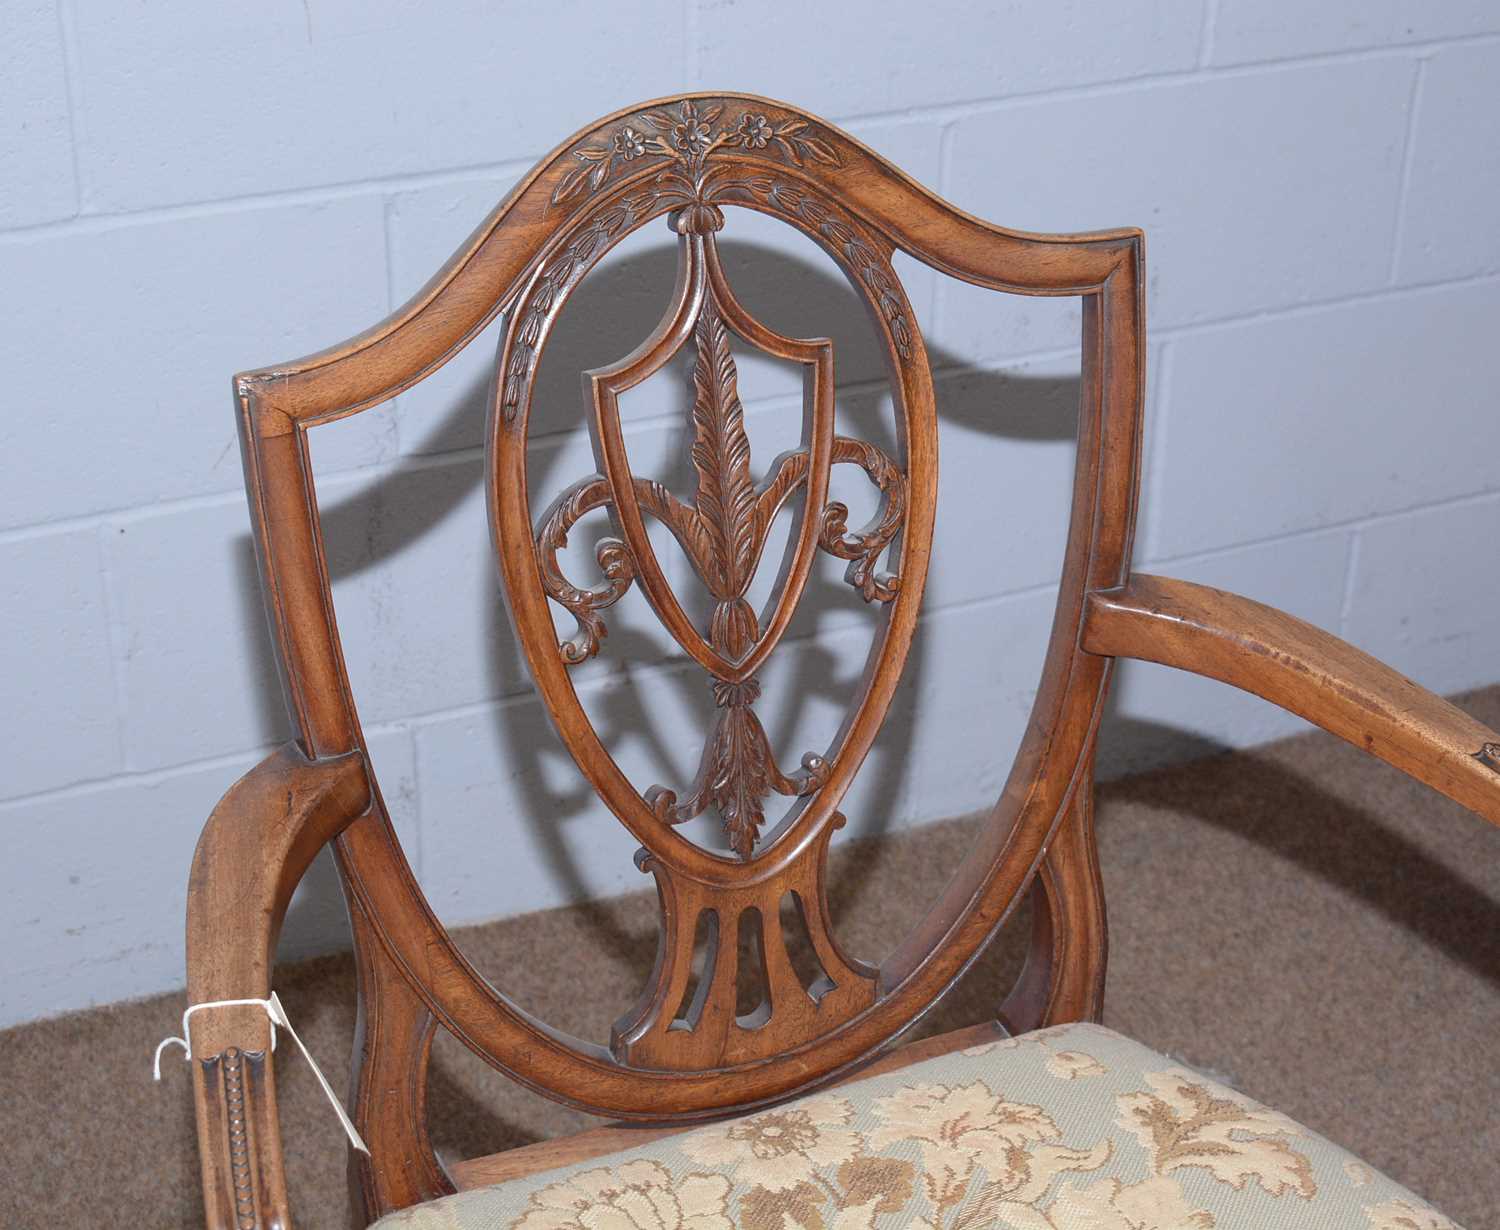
[675, 1060]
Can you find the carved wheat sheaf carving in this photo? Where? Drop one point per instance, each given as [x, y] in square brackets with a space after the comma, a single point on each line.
[738, 772]
[724, 534]
[724, 529]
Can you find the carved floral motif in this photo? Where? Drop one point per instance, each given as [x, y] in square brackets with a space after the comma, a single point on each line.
[686, 135]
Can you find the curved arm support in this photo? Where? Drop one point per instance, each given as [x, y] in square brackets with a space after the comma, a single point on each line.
[254, 849]
[1305, 670]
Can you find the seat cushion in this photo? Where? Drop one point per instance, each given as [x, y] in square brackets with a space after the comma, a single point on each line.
[1071, 1128]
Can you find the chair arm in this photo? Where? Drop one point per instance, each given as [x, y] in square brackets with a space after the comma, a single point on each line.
[1305, 670]
[254, 849]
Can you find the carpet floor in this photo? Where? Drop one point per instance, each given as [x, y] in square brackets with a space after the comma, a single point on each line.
[1298, 920]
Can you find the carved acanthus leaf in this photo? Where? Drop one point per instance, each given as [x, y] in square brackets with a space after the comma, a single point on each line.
[738, 772]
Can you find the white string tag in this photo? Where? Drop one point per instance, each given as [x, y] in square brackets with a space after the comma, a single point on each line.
[277, 1013]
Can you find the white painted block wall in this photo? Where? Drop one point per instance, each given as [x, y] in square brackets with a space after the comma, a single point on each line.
[187, 190]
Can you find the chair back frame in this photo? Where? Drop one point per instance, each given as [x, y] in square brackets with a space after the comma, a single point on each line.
[694, 159]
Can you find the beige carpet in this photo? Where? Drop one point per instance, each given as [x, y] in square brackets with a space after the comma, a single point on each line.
[1298, 920]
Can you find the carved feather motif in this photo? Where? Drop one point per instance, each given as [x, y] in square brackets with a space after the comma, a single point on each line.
[726, 494]
[723, 531]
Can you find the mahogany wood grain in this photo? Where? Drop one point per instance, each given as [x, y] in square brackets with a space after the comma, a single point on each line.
[830, 201]
[255, 847]
[1303, 669]
[479, 280]
[1063, 977]
[392, 1048]
[537, 246]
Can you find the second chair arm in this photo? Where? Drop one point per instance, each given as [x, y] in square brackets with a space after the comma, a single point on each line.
[254, 849]
[1305, 670]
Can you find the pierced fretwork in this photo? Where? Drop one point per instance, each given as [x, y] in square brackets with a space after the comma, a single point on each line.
[723, 532]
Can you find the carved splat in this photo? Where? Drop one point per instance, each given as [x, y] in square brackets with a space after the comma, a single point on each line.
[712, 1034]
[687, 1022]
[723, 532]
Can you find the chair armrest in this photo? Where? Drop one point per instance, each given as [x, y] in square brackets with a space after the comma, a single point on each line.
[1305, 670]
[254, 849]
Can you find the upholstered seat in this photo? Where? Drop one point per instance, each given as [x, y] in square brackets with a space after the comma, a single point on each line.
[1070, 1128]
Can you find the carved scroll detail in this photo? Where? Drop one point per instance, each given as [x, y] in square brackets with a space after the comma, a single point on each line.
[724, 529]
[864, 548]
[614, 562]
[613, 556]
[723, 533]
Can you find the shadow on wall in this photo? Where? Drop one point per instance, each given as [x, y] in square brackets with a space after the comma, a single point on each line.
[613, 309]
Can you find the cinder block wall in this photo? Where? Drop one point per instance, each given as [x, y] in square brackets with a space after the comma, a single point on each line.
[190, 189]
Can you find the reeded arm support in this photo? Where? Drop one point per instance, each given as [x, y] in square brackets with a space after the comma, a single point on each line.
[254, 849]
[1306, 671]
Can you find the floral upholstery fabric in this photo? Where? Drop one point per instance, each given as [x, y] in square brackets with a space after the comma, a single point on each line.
[1072, 1128]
